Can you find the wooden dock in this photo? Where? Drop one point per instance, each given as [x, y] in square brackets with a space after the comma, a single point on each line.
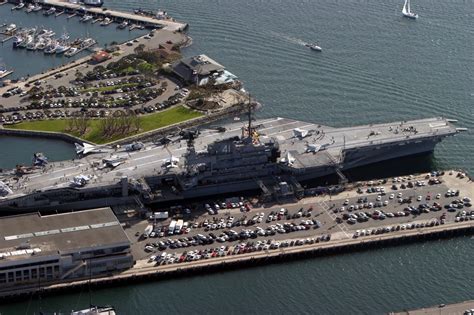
[119, 16]
[7, 39]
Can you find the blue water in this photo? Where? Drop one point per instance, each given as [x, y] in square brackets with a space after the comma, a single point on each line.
[375, 66]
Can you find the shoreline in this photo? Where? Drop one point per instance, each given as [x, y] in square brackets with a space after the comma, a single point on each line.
[183, 40]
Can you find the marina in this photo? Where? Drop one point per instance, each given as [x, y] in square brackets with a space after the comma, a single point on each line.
[93, 14]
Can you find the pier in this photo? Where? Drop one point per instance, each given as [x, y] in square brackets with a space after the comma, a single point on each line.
[142, 272]
[119, 16]
[441, 309]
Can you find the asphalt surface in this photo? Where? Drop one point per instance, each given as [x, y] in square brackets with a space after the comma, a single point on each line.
[160, 37]
[322, 211]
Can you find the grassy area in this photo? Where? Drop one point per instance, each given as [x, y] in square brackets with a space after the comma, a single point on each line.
[109, 88]
[147, 122]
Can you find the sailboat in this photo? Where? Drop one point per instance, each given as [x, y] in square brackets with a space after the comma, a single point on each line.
[407, 11]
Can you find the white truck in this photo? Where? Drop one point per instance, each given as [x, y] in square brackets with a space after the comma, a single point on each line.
[179, 226]
[172, 227]
[159, 215]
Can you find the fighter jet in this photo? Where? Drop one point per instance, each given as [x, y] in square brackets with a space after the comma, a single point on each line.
[4, 189]
[39, 159]
[113, 162]
[80, 180]
[86, 148]
[172, 162]
[163, 141]
[302, 133]
[187, 134]
[315, 148]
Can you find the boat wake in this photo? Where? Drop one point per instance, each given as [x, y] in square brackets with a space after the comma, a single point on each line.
[289, 38]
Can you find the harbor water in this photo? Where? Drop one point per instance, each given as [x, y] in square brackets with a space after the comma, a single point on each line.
[376, 66]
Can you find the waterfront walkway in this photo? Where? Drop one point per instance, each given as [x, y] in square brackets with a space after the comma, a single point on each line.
[462, 308]
[169, 24]
[143, 270]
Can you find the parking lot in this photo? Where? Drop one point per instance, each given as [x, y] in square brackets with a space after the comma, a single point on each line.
[316, 219]
[56, 104]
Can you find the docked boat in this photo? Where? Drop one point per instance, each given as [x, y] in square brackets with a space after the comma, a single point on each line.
[37, 8]
[4, 72]
[19, 6]
[71, 52]
[25, 42]
[86, 18]
[10, 28]
[406, 11]
[51, 11]
[106, 22]
[314, 47]
[46, 33]
[96, 310]
[62, 48]
[51, 48]
[123, 25]
[31, 45]
[17, 41]
[43, 44]
[29, 8]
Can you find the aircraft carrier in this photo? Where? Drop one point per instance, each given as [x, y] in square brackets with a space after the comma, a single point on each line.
[272, 155]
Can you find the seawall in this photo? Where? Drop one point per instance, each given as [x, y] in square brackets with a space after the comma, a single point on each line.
[232, 262]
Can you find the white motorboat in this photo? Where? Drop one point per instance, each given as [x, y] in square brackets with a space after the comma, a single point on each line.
[62, 48]
[46, 33]
[406, 11]
[106, 22]
[29, 8]
[19, 6]
[71, 52]
[51, 48]
[314, 47]
[37, 8]
[123, 25]
[17, 41]
[86, 18]
[10, 28]
[51, 11]
[4, 72]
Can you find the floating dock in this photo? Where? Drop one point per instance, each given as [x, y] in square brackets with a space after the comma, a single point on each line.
[119, 16]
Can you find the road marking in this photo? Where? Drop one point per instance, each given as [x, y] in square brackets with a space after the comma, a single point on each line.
[323, 204]
[60, 170]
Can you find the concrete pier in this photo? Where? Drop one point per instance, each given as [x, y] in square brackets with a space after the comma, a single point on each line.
[461, 308]
[146, 272]
[119, 16]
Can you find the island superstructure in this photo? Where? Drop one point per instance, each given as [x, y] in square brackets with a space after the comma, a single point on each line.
[270, 154]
